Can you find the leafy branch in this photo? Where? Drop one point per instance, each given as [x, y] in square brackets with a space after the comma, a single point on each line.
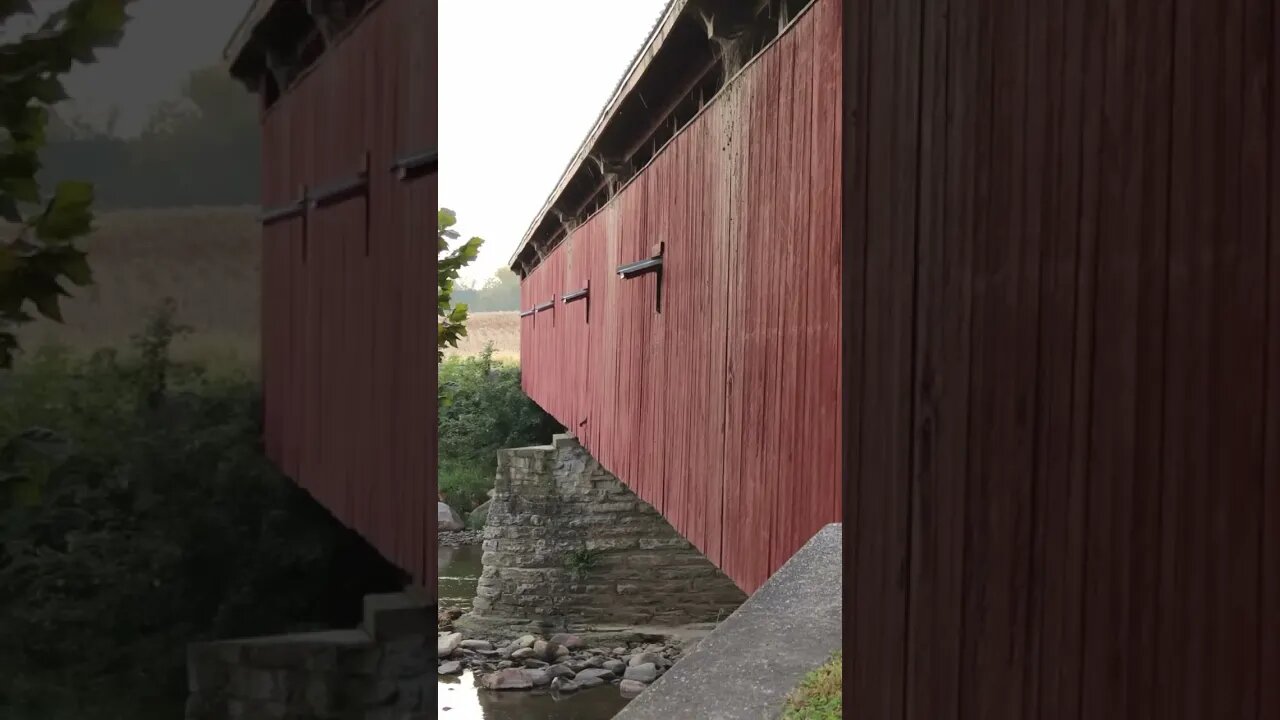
[41, 252]
[451, 317]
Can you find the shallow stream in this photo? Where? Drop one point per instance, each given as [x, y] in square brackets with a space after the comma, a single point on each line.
[461, 699]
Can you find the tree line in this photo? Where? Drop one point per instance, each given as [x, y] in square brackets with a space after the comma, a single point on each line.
[200, 148]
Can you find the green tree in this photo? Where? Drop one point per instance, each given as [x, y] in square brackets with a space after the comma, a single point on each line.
[41, 251]
[212, 126]
[500, 292]
[452, 317]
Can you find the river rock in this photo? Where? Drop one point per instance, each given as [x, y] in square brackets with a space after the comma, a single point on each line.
[509, 679]
[523, 653]
[645, 673]
[446, 519]
[452, 667]
[549, 650]
[565, 686]
[646, 657]
[595, 661]
[589, 682]
[447, 643]
[630, 688]
[560, 670]
[504, 664]
[480, 515]
[534, 663]
[523, 641]
[539, 678]
[617, 667]
[573, 642]
[594, 673]
[476, 644]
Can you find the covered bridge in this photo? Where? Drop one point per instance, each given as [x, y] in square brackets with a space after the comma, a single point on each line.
[996, 282]
[347, 90]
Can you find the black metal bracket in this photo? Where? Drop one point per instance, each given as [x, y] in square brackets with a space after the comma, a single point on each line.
[639, 267]
[580, 294]
[415, 166]
[343, 189]
[526, 313]
[652, 264]
[340, 191]
[284, 212]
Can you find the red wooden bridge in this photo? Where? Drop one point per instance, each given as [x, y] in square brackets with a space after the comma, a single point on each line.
[1053, 390]
[349, 197]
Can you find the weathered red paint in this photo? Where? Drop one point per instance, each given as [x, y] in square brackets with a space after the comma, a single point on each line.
[722, 410]
[1063, 279]
[348, 336]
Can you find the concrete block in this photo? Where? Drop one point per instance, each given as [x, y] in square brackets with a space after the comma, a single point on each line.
[393, 615]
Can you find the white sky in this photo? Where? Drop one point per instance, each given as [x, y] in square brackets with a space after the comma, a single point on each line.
[163, 43]
[521, 84]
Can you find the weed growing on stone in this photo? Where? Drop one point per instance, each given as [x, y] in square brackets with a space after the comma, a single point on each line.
[818, 696]
[581, 561]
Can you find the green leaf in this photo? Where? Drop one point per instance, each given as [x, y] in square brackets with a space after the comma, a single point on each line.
[25, 190]
[75, 266]
[68, 215]
[8, 263]
[47, 305]
[49, 91]
[9, 8]
[9, 208]
[8, 348]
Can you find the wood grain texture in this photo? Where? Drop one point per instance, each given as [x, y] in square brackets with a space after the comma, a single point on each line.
[720, 410]
[348, 348]
[1079, 201]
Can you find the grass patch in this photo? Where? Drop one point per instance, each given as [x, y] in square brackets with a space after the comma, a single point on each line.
[818, 697]
[466, 483]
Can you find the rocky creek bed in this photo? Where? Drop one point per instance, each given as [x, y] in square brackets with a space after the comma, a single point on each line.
[560, 663]
[460, 538]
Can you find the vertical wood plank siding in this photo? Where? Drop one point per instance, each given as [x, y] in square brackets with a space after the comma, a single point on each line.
[722, 410]
[1062, 345]
[348, 343]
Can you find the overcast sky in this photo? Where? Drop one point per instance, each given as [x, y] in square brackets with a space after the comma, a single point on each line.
[163, 43]
[521, 84]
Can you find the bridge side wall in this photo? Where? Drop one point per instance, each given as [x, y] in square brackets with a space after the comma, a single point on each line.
[348, 355]
[712, 390]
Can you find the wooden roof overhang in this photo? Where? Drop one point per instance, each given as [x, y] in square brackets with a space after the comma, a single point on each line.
[694, 49]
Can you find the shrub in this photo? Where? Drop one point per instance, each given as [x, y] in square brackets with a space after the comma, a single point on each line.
[482, 410]
[466, 483]
[138, 514]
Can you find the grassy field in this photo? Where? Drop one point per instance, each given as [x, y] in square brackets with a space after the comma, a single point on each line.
[206, 259]
[500, 328]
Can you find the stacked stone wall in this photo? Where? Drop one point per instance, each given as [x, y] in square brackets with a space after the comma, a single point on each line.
[565, 539]
[343, 675]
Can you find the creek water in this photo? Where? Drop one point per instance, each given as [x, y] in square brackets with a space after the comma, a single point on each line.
[459, 698]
